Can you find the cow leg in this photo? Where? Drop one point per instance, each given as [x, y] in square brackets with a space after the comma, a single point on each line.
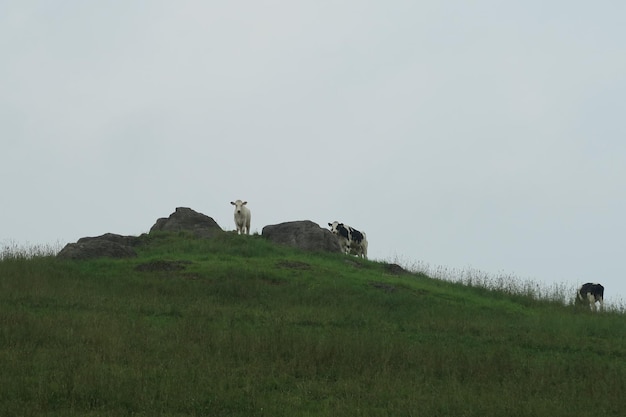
[345, 248]
[592, 301]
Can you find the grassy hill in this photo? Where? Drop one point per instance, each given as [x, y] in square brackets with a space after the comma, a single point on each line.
[237, 326]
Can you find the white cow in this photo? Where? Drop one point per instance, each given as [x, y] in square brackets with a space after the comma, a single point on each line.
[589, 294]
[242, 217]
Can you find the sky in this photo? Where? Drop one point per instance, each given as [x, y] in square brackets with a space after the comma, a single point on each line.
[476, 134]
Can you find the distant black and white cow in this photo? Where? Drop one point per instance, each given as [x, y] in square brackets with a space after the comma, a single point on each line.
[350, 239]
[589, 294]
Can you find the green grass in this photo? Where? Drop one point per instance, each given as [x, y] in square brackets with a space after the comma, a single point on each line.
[237, 326]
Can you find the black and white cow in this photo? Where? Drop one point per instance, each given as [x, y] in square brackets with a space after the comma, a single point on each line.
[350, 239]
[589, 294]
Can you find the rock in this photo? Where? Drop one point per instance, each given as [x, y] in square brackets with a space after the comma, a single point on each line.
[395, 269]
[108, 245]
[112, 237]
[304, 235]
[186, 219]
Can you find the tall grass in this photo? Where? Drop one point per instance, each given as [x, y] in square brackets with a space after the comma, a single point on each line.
[10, 249]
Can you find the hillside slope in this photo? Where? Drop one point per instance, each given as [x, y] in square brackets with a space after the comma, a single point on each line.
[237, 326]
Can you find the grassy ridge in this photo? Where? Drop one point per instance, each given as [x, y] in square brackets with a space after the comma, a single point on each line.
[236, 326]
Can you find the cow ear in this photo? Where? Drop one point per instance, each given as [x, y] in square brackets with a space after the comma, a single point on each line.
[244, 203]
[232, 203]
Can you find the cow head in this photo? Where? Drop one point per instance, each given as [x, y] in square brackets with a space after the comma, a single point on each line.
[340, 229]
[238, 205]
[334, 227]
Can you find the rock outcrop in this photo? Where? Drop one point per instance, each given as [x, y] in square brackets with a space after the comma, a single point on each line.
[117, 246]
[186, 219]
[108, 245]
[305, 235]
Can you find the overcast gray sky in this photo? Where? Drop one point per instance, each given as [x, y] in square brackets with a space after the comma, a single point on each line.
[482, 134]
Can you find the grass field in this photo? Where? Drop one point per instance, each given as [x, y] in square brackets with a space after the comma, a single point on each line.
[237, 326]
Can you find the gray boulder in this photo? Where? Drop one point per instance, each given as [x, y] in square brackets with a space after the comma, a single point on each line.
[112, 237]
[108, 245]
[304, 235]
[186, 219]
